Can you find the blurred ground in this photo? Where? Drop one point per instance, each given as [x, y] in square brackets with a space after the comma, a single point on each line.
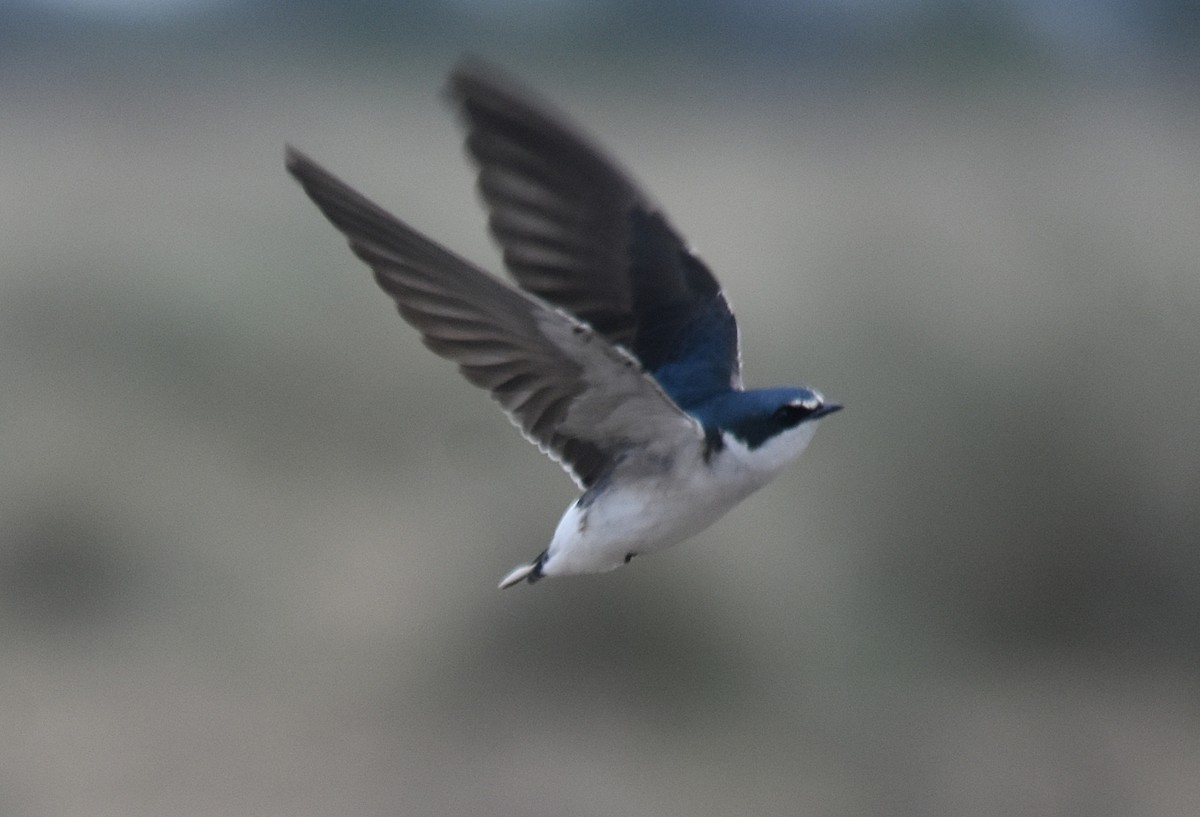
[250, 529]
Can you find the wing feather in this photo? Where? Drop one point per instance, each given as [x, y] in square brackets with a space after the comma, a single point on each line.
[577, 231]
[582, 400]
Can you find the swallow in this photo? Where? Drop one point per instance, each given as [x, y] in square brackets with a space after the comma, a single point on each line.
[615, 350]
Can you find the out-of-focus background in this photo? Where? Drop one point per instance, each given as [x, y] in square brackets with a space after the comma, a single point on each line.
[250, 529]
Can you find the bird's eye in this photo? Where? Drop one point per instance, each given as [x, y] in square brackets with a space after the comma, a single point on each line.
[789, 414]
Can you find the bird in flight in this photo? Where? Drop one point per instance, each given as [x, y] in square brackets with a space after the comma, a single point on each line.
[616, 353]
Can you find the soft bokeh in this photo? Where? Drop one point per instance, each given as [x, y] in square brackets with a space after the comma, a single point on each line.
[250, 529]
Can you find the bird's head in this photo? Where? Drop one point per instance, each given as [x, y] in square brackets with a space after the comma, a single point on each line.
[772, 426]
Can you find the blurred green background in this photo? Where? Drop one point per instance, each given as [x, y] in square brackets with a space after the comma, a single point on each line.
[250, 529]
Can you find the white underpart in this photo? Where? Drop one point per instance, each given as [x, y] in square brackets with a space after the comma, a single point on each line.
[652, 513]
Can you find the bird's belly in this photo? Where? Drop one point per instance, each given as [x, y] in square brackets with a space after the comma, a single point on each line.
[638, 519]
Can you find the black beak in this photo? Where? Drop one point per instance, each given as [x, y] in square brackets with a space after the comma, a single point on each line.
[828, 408]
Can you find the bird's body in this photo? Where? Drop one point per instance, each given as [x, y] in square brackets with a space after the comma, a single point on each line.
[617, 355]
[672, 499]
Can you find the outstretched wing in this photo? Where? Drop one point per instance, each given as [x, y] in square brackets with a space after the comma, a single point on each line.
[576, 231]
[579, 398]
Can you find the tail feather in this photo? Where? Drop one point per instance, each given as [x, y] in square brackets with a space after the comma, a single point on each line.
[530, 572]
[517, 575]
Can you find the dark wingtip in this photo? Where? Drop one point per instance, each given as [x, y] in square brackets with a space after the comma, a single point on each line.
[467, 67]
[477, 86]
[299, 165]
[472, 73]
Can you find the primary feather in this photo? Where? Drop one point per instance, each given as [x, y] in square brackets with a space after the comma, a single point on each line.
[579, 398]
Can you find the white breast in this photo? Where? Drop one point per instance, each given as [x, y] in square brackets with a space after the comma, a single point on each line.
[762, 464]
[648, 514]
